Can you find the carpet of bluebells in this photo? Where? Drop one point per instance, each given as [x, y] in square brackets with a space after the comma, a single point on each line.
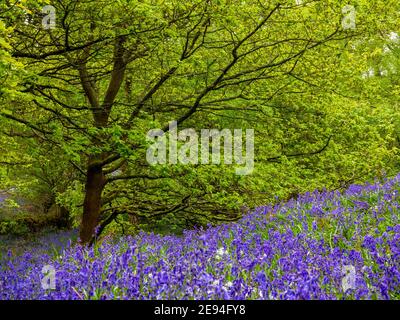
[322, 245]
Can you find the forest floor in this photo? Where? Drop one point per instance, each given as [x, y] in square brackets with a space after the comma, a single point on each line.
[320, 245]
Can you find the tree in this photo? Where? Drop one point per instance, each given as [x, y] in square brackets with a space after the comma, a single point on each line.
[110, 72]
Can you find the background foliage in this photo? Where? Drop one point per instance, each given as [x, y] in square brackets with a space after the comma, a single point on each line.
[323, 102]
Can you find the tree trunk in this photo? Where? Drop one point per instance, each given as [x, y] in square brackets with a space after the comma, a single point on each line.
[92, 205]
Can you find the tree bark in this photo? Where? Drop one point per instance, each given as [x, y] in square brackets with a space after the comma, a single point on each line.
[95, 178]
[95, 182]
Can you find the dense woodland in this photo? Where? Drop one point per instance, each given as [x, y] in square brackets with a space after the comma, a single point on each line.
[318, 81]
